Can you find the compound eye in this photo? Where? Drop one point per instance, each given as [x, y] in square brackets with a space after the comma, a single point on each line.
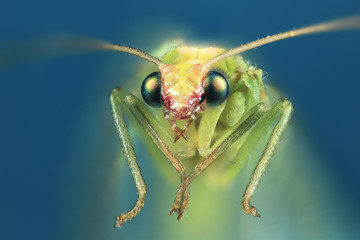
[151, 89]
[216, 88]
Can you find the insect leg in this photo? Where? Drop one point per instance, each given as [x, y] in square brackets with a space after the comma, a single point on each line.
[130, 157]
[153, 128]
[282, 107]
[182, 195]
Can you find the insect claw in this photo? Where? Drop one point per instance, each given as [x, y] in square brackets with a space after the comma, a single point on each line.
[176, 206]
[172, 211]
[124, 217]
[180, 216]
[250, 210]
[253, 212]
[119, 221]
[180, 213]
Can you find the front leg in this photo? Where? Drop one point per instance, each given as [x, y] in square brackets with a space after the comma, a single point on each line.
[128, 151]
[153, 128]
[280, 113]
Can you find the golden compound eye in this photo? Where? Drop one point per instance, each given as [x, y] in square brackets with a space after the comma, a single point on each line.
[216, 88]
[151, 89]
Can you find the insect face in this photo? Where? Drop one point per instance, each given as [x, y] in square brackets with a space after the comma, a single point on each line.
[182, 90]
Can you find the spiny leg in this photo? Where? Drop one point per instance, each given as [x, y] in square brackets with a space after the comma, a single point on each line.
[283, 108]
[148, 123]
[182, 195]
[153, 128]
[130, 157]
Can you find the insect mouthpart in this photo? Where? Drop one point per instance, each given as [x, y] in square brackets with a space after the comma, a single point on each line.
[180, 132]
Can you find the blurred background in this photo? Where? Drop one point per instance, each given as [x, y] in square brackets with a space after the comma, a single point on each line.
[55, 114]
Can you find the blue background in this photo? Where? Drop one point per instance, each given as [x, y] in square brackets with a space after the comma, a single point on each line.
[45, 106]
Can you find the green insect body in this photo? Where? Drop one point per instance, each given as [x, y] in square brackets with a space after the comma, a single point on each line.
[211, 127]
[210, 132]
[186, 82]
[215, 199]
[214, 123]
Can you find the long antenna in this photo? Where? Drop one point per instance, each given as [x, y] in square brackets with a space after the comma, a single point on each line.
[132, 51]
[335, 25]
[56, 45]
